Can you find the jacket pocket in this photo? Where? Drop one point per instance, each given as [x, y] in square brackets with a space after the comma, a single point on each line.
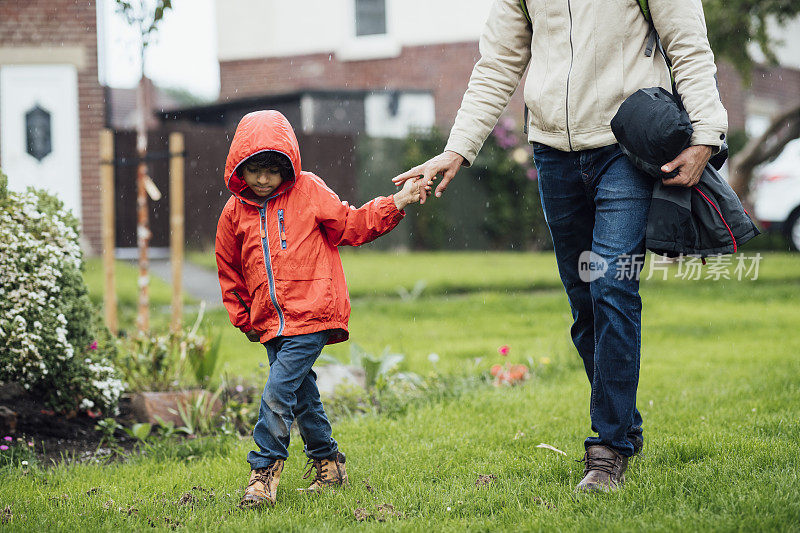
[241, 300]
[305, 296]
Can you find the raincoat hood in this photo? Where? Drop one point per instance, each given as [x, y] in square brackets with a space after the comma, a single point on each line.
[261, 131]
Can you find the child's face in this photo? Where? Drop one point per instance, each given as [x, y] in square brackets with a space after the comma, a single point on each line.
[262, 181]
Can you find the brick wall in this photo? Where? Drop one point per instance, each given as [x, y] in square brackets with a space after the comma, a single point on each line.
[443, 69]
[67, 23]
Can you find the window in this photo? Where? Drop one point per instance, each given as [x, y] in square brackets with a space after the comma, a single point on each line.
[370, 17]
[395, 114]
[368, 34]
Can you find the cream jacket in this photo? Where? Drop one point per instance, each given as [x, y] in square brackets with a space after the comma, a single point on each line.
[586, 57]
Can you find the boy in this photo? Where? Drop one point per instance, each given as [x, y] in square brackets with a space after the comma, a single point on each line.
[283, 285]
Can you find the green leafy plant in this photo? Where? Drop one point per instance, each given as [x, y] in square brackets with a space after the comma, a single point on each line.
[376, 367]
[201, 353]
[108, 428]
[239, 417]
[158, 362]
[199, 416]
[165, 428]
[140, 431]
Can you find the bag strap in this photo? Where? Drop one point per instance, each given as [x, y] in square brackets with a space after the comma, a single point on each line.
[524, 5]
[654, 41]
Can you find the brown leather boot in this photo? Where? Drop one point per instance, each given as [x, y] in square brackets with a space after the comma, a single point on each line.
[330, 472]
[604, 470]
[263, 485]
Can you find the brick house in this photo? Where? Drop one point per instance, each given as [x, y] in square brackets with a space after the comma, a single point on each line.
[51, 103]
[420, 45]
[358, 45]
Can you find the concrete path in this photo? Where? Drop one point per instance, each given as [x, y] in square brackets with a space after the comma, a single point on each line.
[198, 282]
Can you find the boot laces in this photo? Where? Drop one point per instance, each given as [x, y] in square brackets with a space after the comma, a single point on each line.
[603, 464]
[322, 470]
[262, 475]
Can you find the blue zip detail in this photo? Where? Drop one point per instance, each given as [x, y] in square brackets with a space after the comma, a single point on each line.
[281, 229]
[265, 246]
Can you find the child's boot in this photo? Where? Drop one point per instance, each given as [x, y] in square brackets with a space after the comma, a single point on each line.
[263, 485]
[330, 472]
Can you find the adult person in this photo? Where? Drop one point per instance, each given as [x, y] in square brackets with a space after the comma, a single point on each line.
[584, 57]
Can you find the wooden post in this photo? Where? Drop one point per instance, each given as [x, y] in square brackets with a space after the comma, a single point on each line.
[109, 235]
[142, 214]
[176, 224]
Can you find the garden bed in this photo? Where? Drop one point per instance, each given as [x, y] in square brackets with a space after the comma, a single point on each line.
[59, 437]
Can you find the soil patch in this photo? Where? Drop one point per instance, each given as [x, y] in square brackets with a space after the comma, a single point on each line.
[59, 437]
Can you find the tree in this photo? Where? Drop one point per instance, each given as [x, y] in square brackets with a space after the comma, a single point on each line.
[144, 16]
[732, 26]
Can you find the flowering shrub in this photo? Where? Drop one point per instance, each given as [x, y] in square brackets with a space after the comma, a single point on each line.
[51, 339]
[504, 166]
[498, 195]
[16, 452]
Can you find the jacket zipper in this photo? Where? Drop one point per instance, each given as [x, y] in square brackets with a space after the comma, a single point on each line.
[569, 72]
[265, 247]
[281, 229]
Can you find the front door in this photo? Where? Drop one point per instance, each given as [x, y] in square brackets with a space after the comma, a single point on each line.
[39, 130]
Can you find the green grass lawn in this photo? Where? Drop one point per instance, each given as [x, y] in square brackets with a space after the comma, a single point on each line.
[372, 273]
[719, 392]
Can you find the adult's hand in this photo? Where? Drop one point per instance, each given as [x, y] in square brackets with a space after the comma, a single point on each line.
[690, 163]
[447, 164]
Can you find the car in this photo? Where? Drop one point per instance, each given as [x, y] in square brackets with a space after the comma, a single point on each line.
[776, 194]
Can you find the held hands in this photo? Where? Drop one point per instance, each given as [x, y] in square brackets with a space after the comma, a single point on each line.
[690, 163]
[446, 164]
[409, 194]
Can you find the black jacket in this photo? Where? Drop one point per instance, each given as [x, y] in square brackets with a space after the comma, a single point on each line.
[652, 128]
[707, 219]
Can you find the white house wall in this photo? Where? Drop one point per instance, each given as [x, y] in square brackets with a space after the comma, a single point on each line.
[249, 29]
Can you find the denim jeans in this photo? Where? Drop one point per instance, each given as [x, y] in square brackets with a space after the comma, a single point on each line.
[291, 394]
[597, 201]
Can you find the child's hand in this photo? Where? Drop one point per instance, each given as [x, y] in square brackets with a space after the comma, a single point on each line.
[253, 335]
[409, 194]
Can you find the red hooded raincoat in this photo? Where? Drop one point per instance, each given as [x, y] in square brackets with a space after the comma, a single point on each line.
[279, 266]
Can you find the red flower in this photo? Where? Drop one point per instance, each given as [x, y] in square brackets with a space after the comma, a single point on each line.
[519, 372]
[503, 350]
[93, 346]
